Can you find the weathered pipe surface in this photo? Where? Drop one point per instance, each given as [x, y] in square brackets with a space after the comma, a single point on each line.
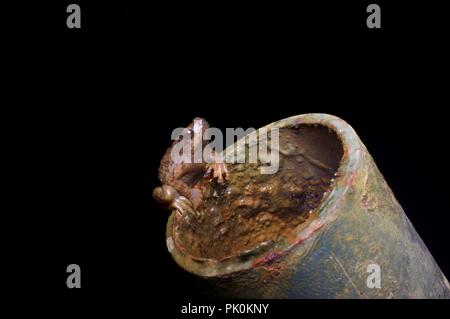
[311, 230]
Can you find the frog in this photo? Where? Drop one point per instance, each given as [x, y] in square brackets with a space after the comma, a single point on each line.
[182, 181]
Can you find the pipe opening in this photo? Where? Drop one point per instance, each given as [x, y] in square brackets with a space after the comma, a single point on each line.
[252, 209]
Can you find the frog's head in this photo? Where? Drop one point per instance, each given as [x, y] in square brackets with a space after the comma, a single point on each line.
[197, 127]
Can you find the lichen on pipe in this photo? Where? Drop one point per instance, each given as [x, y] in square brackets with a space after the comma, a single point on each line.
[322, 226]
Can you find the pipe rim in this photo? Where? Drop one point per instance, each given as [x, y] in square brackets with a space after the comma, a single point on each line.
[327, 210]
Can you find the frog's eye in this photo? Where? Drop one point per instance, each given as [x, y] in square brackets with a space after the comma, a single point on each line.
[190, 132]
[186, 134]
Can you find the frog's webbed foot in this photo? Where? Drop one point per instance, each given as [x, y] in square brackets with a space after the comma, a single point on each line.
[171, 199]
[219, 171]
[184, 206]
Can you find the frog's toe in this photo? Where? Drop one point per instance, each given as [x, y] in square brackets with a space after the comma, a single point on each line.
[220, 172]
[184, 206]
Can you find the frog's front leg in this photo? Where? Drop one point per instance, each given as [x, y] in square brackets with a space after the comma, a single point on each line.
[218, 168]
[220, 171]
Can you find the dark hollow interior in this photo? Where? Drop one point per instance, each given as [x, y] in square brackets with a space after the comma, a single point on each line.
[251, 208]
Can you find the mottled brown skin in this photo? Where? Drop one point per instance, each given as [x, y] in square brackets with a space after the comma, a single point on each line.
[180, 189]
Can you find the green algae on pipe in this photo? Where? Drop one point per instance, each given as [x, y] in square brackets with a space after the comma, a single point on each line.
[314, 229]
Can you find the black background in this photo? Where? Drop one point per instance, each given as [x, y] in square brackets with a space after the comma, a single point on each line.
[87, 115]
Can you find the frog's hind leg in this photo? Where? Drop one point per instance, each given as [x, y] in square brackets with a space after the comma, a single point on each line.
[184, 206]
